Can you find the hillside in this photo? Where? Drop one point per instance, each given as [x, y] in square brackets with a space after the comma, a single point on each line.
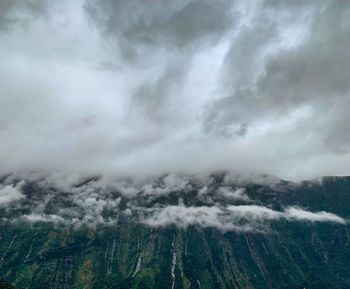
[285, 235]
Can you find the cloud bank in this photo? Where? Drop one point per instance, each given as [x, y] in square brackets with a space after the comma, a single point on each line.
[140, 88]
[207, 202]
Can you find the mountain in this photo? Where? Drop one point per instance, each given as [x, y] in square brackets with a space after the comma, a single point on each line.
[176, 232]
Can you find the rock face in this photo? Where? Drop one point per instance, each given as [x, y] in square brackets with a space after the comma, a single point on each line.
[295, 251]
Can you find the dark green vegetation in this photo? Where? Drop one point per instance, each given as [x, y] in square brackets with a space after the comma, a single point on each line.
[299, 255]
[128, 255]
[5, 285]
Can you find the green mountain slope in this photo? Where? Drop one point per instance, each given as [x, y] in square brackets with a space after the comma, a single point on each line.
[127, 254]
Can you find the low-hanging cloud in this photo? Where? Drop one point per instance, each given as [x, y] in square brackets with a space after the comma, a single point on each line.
[230, 218]
[143, 88]
[172, 200]
[10, 194]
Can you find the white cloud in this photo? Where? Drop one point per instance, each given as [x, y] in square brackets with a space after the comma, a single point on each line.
[10, 194]
[255, 218]
[254, 213]
[238, 194]
[301, 215]
[185, 216]
[43, 218]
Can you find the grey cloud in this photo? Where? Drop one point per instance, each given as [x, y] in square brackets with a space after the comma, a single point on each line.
[175, 23]
[18, 12]
[338, 138]
[167, 35]
[153, 101]
[303, 74]
[282, 4]
[313, 73]
[108, 66]
[253, 87]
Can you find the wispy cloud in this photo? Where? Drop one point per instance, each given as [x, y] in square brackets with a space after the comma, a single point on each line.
[233, 218]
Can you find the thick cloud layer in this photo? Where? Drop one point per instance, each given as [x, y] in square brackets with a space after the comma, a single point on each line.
[211, 201]
[138, 88]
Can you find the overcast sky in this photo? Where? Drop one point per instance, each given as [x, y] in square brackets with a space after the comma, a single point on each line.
[143, 87]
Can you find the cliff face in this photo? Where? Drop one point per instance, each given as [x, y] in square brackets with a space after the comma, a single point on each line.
[289, 254]
[129, 256]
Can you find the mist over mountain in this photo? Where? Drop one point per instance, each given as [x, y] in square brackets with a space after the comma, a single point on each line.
[174, 144]
[175, 231]
[219, 200]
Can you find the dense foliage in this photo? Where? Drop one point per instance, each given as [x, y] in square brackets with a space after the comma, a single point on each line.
[130, 255]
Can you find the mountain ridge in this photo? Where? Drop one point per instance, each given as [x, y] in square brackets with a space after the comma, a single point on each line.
[219, 234]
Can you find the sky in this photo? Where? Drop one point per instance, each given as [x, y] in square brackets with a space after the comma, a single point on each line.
[148, 87]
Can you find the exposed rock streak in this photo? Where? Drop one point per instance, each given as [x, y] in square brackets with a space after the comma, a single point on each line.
[138, 266]
[110, 261]
[173, 263]
[8, 248]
